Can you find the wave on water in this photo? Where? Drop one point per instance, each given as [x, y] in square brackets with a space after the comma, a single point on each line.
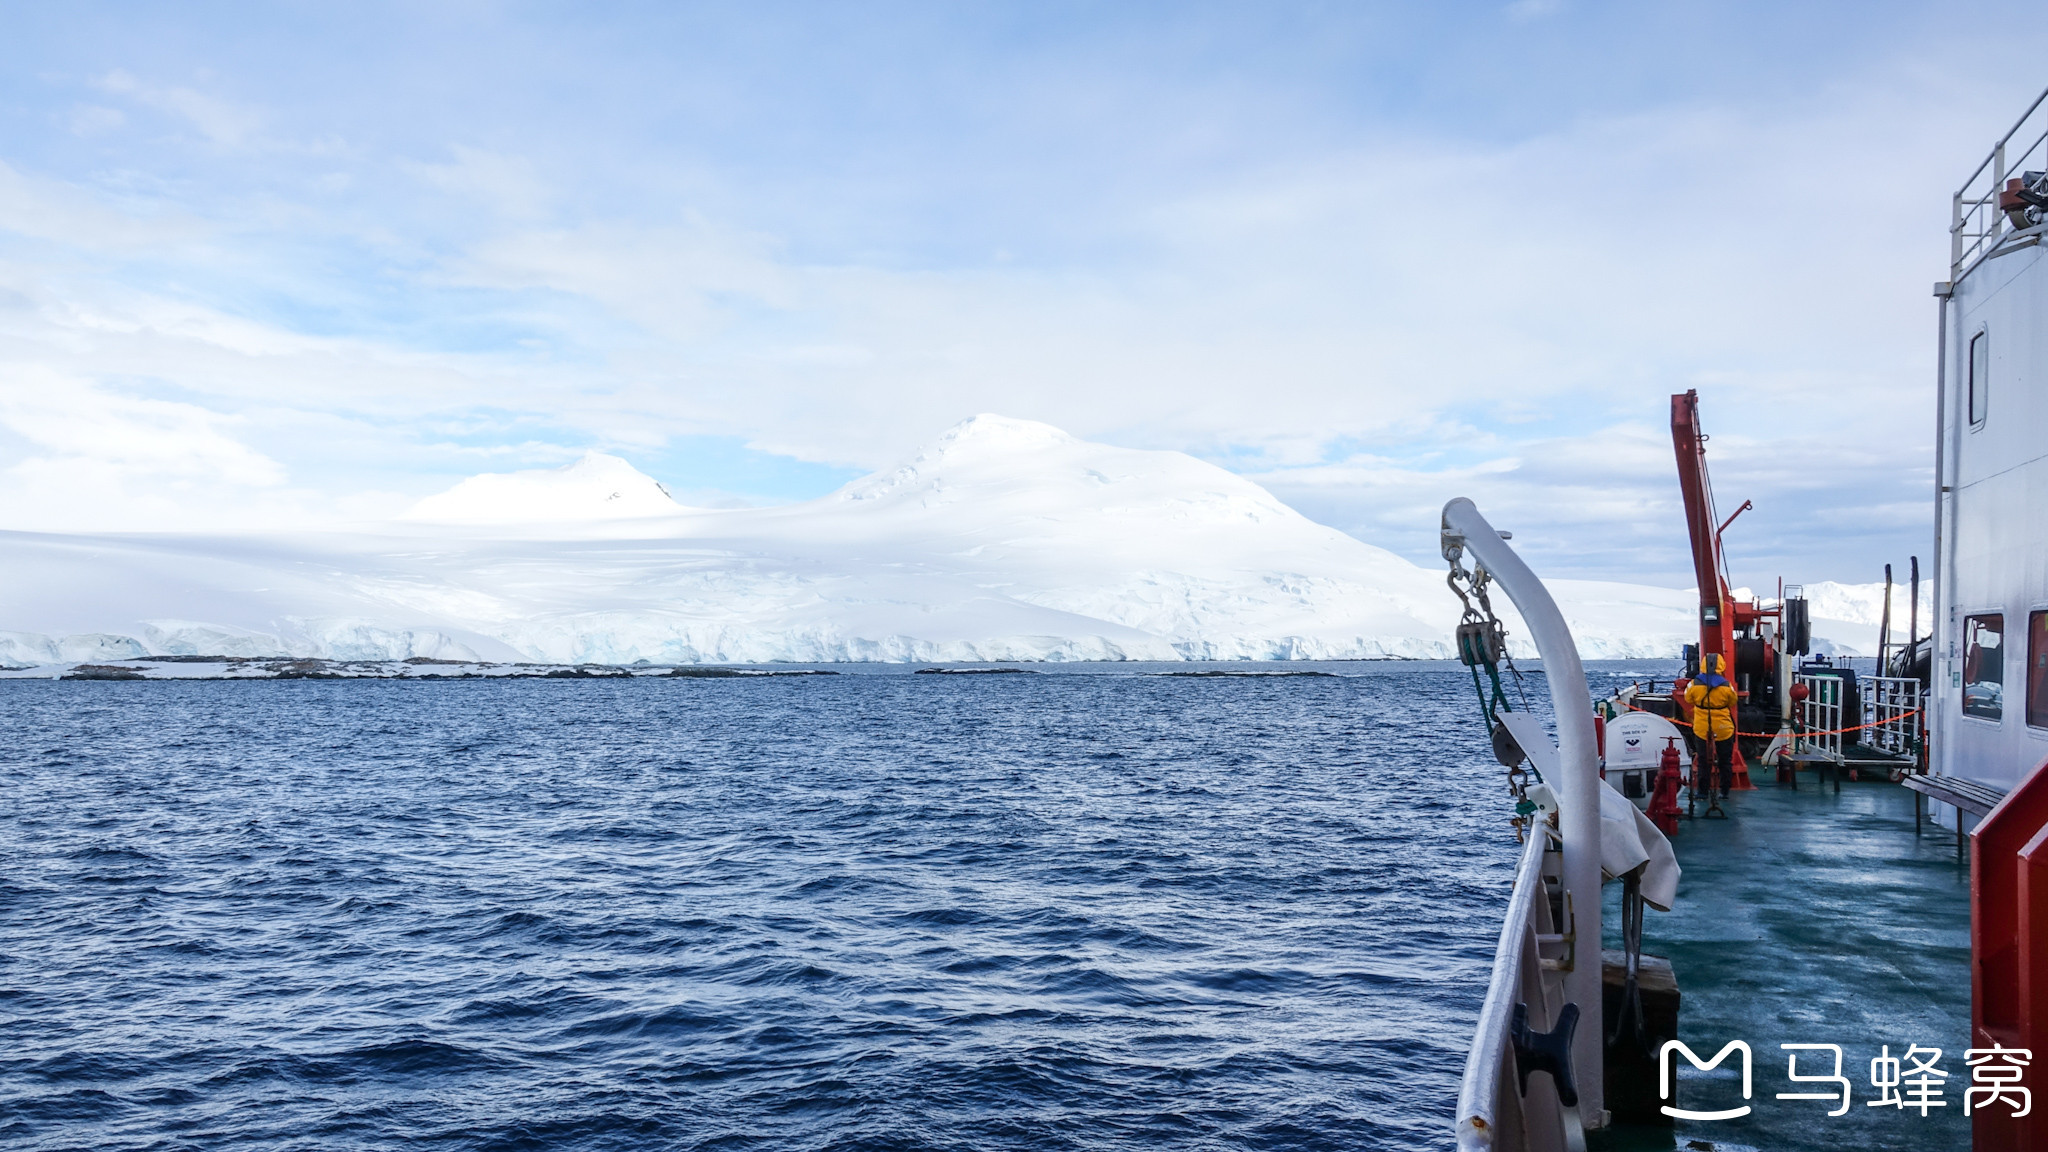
[857, 911]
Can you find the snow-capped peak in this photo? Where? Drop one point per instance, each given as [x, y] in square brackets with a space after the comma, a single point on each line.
[1005, 467]
[990, 434]
[596, 487]
[978, 444]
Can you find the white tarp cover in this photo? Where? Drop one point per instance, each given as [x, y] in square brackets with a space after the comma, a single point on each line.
[1628, 839]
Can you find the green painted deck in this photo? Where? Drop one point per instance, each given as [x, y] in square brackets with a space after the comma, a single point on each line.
[1814, 917]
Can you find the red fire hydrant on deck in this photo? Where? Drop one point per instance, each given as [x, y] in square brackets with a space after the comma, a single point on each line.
[1664, 801]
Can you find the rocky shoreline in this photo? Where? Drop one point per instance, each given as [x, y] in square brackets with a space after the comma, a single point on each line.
[416, 668]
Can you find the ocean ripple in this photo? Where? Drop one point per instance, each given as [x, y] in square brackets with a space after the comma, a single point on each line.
[1090, 910]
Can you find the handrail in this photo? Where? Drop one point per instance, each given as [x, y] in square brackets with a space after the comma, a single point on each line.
[1976, 226]
[2009, 134]
[1479, 1092]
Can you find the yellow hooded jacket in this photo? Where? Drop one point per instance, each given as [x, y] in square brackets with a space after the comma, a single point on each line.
[1713, 705]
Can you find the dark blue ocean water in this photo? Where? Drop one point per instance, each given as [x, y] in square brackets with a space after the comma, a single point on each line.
[860, 911]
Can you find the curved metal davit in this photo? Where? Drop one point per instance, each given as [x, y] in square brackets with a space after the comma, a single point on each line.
[1540, 967]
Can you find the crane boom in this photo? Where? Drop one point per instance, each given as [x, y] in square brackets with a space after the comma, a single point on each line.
[1717, 616]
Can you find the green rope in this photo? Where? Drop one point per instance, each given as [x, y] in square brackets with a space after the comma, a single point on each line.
[1500, 695]
[1485, 717]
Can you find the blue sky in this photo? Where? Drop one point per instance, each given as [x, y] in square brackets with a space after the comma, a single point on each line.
[300, 264]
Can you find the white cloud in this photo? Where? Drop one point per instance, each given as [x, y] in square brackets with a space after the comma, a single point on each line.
[221, 121]
[94, 120]
[1578, 276]
[44, 209]
[72, 418]
[1366, 326]
[95, 456]
[680, 283]
[1522, 11]
[510, 185]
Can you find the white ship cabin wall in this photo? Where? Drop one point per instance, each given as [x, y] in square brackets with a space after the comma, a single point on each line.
[1990, 681]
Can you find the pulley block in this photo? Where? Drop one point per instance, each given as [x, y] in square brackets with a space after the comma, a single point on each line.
[1481, 643]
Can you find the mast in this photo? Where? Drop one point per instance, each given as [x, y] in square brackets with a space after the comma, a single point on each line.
[1913, 608]
[1884, 626]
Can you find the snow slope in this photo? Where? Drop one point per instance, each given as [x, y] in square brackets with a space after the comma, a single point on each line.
[597, 487]
[1002, 540]
[1849, 614]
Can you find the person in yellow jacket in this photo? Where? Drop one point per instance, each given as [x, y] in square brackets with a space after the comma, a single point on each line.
[1712, 699]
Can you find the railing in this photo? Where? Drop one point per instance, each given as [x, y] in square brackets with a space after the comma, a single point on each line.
[1820, 716]
[1976, 224]
[1492, 1111]
[1892, 706]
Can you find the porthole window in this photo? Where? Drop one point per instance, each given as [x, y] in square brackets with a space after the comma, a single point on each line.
[1980, 377]
[1984, 666]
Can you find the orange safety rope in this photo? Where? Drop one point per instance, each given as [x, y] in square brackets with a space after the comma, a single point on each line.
[1831, 732]
[1836, 731]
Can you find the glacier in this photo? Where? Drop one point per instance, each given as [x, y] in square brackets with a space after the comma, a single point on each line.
[1002, 540]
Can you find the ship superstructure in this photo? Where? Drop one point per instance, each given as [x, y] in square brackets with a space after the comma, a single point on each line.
[1989, 703]
[1990, 699]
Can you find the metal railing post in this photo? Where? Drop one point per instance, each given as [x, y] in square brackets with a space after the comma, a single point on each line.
[1955, 237]
[1995, 227]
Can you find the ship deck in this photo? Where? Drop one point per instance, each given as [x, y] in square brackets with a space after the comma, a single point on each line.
[1813, 916]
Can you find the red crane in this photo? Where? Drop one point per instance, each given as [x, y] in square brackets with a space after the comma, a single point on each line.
[1722, 619]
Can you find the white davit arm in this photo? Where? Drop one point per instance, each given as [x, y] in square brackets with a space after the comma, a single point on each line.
[1577, 785]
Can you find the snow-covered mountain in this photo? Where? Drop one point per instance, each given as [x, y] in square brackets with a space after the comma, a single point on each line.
[1002, 540]
[1853, 612]
[597, 487]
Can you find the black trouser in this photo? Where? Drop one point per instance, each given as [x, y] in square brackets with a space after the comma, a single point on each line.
[1724, 764]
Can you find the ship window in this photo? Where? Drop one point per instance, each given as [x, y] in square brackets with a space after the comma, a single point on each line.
[1984, 666]
[2037, 669]
[1980, 376]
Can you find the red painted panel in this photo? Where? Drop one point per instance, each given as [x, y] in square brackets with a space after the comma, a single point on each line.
[2009, 946]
